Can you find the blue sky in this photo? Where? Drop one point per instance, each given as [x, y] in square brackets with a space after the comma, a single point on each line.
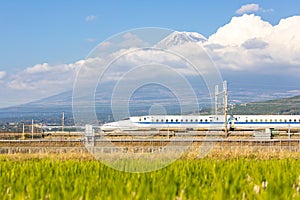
[44, 34]
[57, 31]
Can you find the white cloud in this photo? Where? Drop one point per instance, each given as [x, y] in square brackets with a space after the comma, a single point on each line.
[240, 29]
[250, 43]
[132, 40]
[91, 40]
[2, 74]
[39, 68]
[254, 43]
[104, 45]
[246, 43]
[90, 18]
[45, 78]
[37, 82]
[248, 8]
[252, 8]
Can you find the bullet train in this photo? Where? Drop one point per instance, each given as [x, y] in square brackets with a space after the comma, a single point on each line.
[204, 122]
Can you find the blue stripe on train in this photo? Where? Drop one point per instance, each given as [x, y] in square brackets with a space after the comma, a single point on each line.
[255, 123]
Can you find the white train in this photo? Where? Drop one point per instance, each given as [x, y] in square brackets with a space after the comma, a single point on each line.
[204, 122]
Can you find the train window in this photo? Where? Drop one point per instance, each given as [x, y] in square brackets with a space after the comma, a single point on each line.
[167, 120]
[285, 120]
[251, 120]
[205, 120]
[246, 120]
[201, 120]
[275, 120]
[157, 120]
[191, 120]
[210, 120]
[256, 120]
[144, 118]
[186, 120]
[162, 120]
[181, 120]
[270, 120]
[266, 120]
[140, 119]
[171, 120]
[176, 120]
[290, 120]
[280, 120]
[299, 120]
[196, 120]
[261, 120]
[295, 120]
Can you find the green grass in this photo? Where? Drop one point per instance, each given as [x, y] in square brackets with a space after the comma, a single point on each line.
[184, 179]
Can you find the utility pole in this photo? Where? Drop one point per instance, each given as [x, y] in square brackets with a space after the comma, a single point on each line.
[216, 99]
[63, 122]
[225, 103]
[32, 129]
[225, 106]
[23, 131]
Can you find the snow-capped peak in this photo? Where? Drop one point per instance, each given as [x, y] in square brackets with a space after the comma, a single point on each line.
[179, 38]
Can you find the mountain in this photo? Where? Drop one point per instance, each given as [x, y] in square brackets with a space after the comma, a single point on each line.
[283, 106]
[44, 110]
[50, 109]
[179, 38]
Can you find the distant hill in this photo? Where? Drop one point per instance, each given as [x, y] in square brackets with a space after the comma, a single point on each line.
[283, 106]
[45, 110]
[50, 109]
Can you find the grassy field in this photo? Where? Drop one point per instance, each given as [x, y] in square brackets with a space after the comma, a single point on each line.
[214, 177]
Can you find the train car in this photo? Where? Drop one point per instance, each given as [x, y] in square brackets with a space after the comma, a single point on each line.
[254, 122]
[204, 122]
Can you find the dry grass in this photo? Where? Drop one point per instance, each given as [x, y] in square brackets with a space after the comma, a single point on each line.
[258, 153]
[51, 156]
[195, 152]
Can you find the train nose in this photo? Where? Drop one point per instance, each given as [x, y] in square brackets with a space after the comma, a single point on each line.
[108, 126]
